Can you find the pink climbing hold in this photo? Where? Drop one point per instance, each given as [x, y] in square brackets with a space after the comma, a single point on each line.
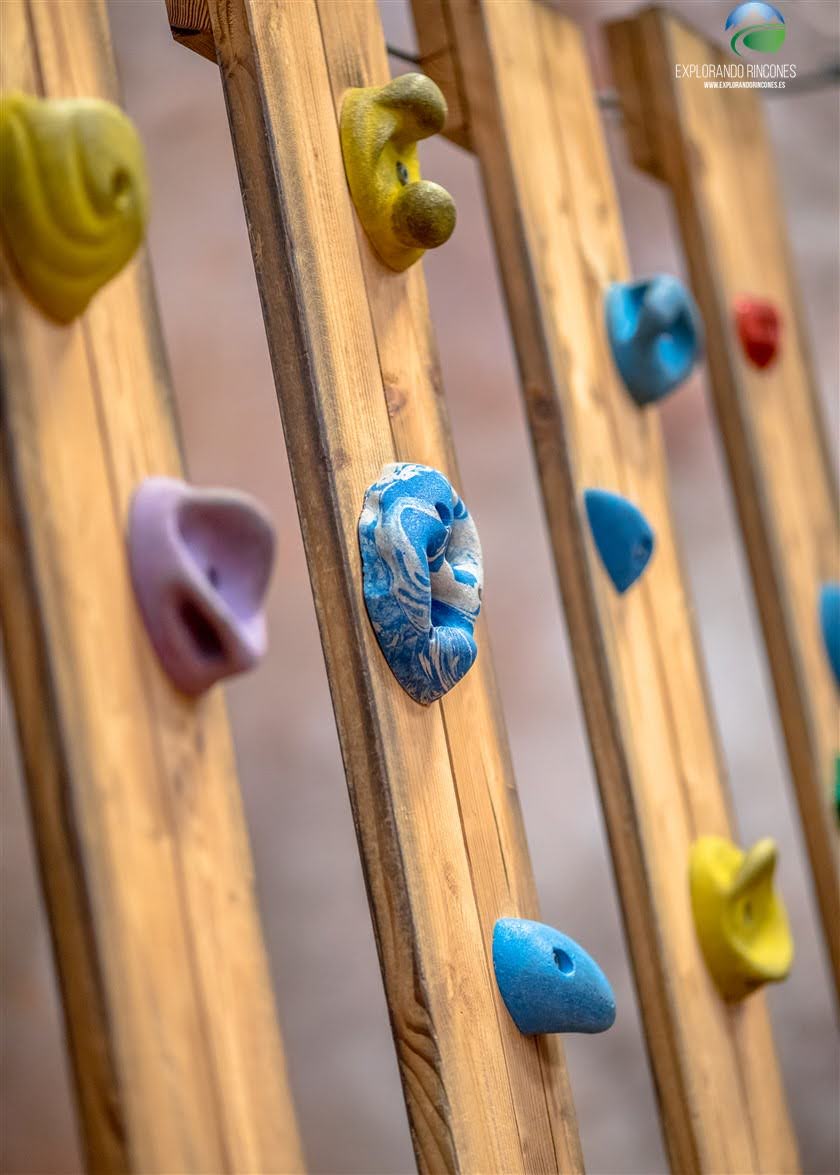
[200, 564]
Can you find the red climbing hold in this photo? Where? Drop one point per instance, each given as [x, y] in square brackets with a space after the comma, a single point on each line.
[759, 326]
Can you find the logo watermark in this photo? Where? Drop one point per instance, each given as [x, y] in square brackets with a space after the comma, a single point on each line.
[755, 30]
[759, 27]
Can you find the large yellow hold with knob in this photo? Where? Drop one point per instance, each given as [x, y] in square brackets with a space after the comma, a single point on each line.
[402, 214]
[740, 920]
[73, 198]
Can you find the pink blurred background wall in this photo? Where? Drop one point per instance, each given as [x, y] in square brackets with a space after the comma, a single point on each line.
[310, 887]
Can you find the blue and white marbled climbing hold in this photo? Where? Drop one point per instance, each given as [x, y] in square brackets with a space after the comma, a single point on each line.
[830, 624]
[421, 562]
[548, 982]
[622, 534]
[656, 334]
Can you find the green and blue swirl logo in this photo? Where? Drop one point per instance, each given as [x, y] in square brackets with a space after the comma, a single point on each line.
[757, 26]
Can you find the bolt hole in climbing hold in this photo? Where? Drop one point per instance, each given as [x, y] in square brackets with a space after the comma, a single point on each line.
[200, 562]
[120, 186]
[655, 333]
[402, 172]
[547, 981]
[563, 961]
[201, 631]
[422, 578]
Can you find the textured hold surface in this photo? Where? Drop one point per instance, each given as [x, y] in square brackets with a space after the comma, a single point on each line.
[402, 214]
[830, 624]
[200, 564]
[656, 335]
[622, 535]
[759, 328]
[548, 982]
[421, 559]
[741, 922]
[74, 197]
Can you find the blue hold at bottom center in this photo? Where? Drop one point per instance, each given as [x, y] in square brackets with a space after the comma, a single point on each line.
[547, 981]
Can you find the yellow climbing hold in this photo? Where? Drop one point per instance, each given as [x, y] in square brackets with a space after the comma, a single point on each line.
[73, 197]
[402, 214]
[740, 920]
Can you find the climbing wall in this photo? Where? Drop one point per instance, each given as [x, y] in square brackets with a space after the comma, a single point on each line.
[525, 91]
[432, 789]
[710, 147]
[175, 1047]
[144, 860]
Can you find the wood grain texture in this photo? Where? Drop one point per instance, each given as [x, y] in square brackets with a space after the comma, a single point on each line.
[537, 133]
[136, 811]
[711, 148]
[189, 21]
[431, 787]
[500, 865]
[434, 42]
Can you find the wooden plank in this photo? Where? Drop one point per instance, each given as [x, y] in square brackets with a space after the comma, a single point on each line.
[189, 21]
[434, 41]
[136, 811]
[711, 148]
[431, 787]
[501, 867]
[536, 130]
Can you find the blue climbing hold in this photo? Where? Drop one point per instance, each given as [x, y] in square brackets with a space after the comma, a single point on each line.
[830, 622]
[622, 535]
[422, 571]
[548, 982]
[656, 335]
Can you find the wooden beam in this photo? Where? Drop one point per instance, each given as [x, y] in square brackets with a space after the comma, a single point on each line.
[535, 127]
[485, 784]
[431, 787]
[710, 146]
[137, 817]
[434, 41]
[189, 22]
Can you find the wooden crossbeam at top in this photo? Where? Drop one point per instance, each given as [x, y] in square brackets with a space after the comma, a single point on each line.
[136, 811]
[525, 93]
[710, 146]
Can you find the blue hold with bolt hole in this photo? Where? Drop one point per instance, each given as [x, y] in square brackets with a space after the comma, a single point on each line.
[656, 334]
[548, 982]
[622, 534]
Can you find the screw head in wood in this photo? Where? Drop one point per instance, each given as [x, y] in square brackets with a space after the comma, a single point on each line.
[200, 564]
